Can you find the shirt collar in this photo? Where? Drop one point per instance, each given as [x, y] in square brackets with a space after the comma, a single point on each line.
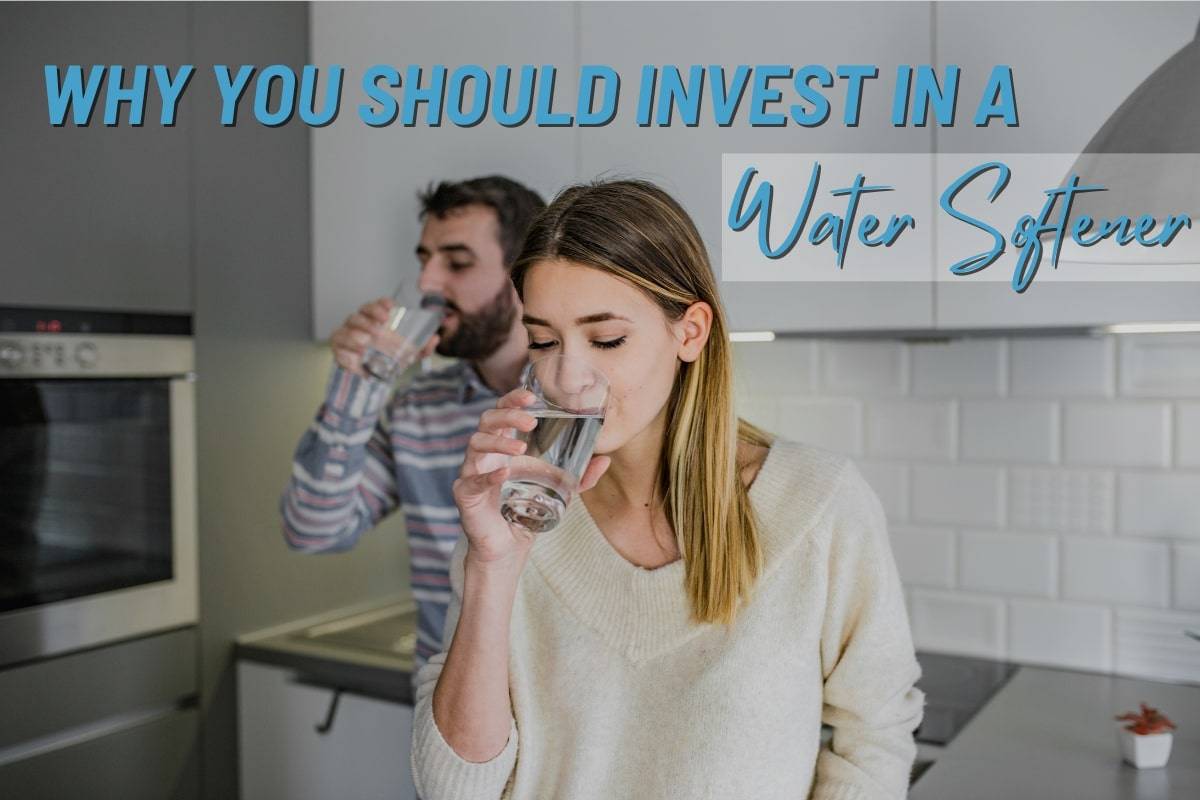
[472, 386]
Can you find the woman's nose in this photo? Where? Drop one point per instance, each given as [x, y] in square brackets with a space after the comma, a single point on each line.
[574, 375]
[577, 385]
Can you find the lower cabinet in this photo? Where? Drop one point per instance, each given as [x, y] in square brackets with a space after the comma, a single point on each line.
[363, 755]
[150, 759]
[117, 722]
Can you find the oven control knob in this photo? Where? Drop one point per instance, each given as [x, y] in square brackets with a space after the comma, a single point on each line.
[11, 355]
[86, 355]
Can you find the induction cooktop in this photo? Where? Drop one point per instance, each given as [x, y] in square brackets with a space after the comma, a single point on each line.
[955, 688]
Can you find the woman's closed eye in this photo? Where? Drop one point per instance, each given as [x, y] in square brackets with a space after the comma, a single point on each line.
[604, 345]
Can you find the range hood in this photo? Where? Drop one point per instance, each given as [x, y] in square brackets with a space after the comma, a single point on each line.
[1147, 154]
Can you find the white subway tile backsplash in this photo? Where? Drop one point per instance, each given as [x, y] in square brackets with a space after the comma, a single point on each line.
[1008, 563]
[1060, 634]
[924, 556]
[910, 429]
[1009, 430]
[890, 482]
[1187, 577]
[868, 367]
[832, 423]
[1152, 644]
[1160, 364]
[1187, 435]
[1116, 571]
[1061, 500]
[768, 369]
[951, 622]
[1128, 434]
[1162, 504]
[962, 367]
[1033, 486]
[958, 494]
[762, 411]
[1055, 366]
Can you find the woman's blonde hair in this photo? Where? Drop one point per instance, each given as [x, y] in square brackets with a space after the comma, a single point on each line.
[634, 230]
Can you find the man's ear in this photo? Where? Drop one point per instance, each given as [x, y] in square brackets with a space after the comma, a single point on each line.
[695, 326]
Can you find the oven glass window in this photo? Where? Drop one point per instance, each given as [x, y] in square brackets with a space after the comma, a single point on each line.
[85, 487]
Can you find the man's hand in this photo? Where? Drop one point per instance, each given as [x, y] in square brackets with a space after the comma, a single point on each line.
[350, 341]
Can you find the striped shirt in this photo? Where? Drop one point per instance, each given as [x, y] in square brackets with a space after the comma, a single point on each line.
[362, 459]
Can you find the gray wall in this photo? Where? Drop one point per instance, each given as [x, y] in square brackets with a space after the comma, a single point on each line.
[261, 378]
[94, 216]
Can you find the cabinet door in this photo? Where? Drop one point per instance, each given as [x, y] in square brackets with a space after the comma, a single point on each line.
[1073, 65]
[95, 216]
[364, 755]
[365, 180]
[687, 160]
[149, 758]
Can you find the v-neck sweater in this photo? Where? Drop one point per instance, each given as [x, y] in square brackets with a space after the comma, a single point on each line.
[617, 693]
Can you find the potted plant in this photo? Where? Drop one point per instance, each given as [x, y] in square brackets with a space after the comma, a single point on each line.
[1146, 740]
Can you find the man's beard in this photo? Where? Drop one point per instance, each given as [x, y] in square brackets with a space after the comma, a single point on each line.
[483, 333]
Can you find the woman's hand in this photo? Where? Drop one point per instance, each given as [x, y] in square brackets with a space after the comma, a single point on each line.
[493, 541]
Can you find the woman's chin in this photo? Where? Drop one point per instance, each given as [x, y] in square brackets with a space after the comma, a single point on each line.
[604, 444]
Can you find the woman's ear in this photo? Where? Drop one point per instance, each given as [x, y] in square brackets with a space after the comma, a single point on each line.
[695, 326]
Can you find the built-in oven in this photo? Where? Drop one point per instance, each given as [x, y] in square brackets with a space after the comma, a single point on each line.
[97, 479]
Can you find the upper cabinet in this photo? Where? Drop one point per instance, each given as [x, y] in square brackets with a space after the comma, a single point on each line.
[95, 216]
[365, 179]
[1073, 65]
[687, 160]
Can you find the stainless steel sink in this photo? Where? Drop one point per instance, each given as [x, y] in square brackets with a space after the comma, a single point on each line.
[387, 631]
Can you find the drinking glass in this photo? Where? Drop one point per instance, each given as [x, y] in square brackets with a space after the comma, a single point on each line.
[412, 321]
[571, 399]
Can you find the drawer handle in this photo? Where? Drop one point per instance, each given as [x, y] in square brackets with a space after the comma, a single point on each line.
[326, 726]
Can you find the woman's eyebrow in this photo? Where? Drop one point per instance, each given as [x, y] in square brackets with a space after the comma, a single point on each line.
[601, 316]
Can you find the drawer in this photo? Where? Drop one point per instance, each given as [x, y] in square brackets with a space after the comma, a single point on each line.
[153, 760]
[47, 697]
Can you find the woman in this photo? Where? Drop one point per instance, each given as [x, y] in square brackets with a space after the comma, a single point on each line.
[710, 596]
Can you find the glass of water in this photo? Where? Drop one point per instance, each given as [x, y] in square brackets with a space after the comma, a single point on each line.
[571, 399]
[411, 323]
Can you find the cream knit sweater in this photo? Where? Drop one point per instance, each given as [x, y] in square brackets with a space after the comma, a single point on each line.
[616, 694]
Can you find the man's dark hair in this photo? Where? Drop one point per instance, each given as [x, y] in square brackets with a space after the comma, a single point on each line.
[515, 205]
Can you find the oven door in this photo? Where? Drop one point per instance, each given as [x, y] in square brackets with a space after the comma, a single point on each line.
[97, 506]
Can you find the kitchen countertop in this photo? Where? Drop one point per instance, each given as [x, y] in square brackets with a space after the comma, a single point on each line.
[1046, 734]
[365, 649]
[1050, 734]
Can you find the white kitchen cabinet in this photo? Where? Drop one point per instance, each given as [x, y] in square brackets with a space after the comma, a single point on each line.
[363, 756]
[365, 180]
[1073, 65]
[364, 211]
[687, 160]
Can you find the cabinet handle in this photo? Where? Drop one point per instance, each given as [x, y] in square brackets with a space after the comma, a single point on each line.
[326, 726]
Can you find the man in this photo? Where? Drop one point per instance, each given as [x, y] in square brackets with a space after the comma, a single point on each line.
[361, 458]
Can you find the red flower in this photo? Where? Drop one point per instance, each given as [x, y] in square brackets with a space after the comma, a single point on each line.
[1149, 721]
